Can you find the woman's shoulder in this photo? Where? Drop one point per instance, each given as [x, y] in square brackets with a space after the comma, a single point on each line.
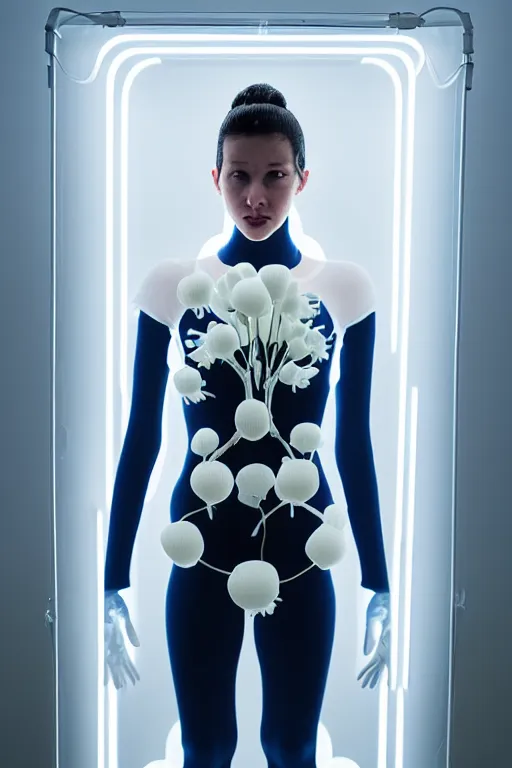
[157, 294]
[347, 291]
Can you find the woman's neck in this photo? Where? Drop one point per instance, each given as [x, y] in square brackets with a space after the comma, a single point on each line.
[279, 248]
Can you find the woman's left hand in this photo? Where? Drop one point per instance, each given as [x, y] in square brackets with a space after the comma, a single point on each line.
[378, 631]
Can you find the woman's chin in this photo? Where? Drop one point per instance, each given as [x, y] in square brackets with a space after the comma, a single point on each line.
[257, 233]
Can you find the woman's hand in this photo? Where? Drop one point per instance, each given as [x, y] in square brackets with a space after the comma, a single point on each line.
[378, 631]
[117, 661]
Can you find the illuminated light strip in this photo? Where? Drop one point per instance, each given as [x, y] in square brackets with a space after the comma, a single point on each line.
[123, 325]
[113, 761]
[404, 359]
[382, 744]
[400, 722]
[262, 40]
[131, 597]
[111, 692]
[397, 198]
[123, 330]
[110, 90]
[411, 508]
[101, 637]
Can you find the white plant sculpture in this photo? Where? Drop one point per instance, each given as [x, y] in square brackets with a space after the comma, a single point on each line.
[270, 324]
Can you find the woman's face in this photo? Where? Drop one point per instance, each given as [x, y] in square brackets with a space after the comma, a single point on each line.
[258, 182]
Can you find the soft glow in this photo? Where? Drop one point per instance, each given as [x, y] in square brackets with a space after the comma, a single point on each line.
[123, 236]
[397, 191]
[399, 738]
[385, 50]
[180, 37]
[174, 756]
[403, 367]
[112, 726]
[382, 747]
[100, 557]
[411, 505]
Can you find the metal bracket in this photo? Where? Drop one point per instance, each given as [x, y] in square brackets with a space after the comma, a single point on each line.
[55, 20]
[460, 600]
[49, 616]
[405, 21]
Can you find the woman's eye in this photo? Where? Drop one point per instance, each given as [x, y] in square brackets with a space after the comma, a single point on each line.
[238, 175]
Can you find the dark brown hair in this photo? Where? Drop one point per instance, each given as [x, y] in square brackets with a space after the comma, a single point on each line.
[261, 109]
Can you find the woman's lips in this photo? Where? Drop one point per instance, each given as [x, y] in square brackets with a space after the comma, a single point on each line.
[256, 222]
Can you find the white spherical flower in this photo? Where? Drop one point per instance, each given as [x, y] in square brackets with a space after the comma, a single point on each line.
[334, 515]
[290, 305]
[297, 481]
[254, 586]
[245, 269]
[298, 349]
[325, 547]
[252, 419]
[285, 326]
[222, 341]
[276, 278]
[212, 481]
[222, 287]
[183, 543]
[195, 290]
[254, 481]
[251, 298]
[188, 381]
[232, 278]
[306, 437]
[204, 442]
[221, 297]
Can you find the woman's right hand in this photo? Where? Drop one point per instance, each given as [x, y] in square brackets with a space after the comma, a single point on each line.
[117, 661]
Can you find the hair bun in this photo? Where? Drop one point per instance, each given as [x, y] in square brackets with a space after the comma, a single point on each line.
[261, 93]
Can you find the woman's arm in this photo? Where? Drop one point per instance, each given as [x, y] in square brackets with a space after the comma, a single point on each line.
[140, 449]
[354, 452]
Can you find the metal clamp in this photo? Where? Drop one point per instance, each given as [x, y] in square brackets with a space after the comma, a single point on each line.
[110, 19]
[405, 21]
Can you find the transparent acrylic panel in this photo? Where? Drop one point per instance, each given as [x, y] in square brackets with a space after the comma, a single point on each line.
[137, 114]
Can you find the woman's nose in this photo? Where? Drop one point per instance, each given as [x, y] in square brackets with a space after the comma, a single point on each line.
[255, 195]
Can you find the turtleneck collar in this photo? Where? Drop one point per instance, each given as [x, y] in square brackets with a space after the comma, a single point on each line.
[279, 248]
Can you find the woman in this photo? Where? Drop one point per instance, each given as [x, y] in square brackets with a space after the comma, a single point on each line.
[260, 169]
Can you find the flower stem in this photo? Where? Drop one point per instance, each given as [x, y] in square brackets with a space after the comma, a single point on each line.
[223, 448]
[265, 517]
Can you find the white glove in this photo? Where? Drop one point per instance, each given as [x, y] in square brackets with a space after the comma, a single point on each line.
[117, 661]
[377, 618]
